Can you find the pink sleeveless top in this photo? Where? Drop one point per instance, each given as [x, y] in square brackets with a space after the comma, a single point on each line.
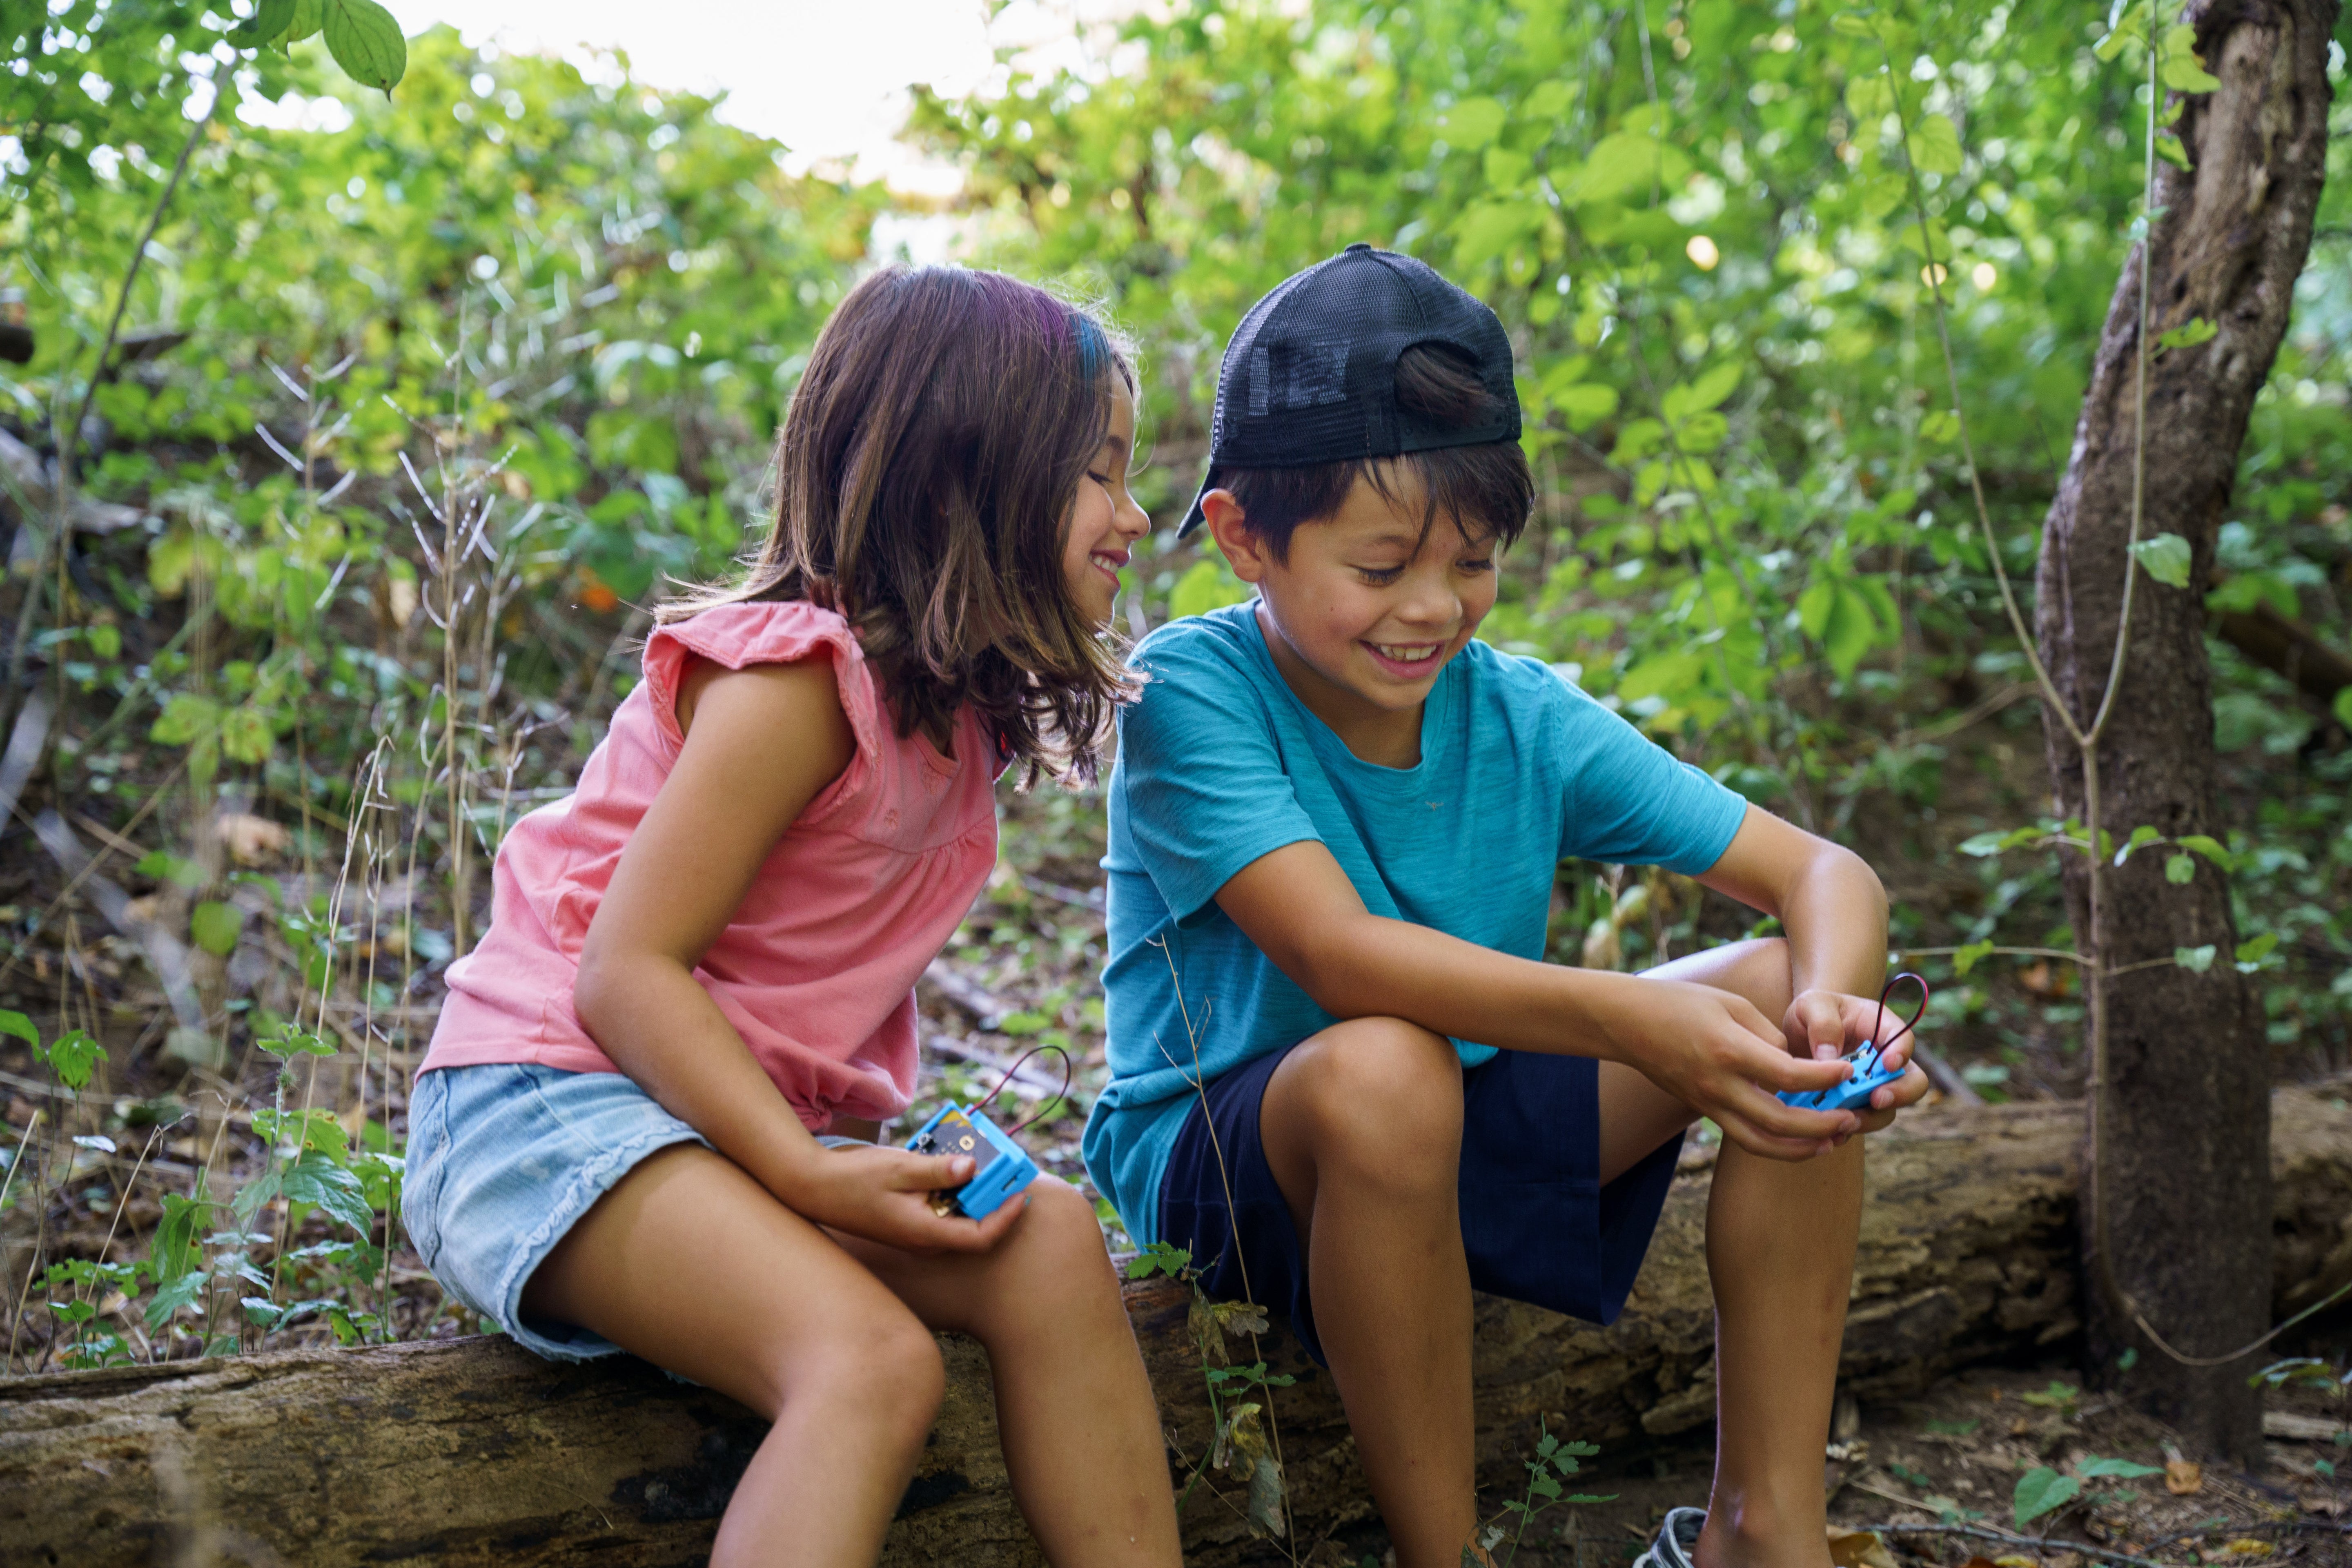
[817, 969]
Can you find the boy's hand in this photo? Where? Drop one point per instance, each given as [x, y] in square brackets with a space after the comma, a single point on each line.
[884, 1195]
[1823, 1026]
[1717, 1054]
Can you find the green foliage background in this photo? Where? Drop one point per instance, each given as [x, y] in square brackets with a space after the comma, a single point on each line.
[505, 352]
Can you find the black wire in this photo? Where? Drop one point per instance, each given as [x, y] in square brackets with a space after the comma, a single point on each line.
[1069, 1068]
[1908, 1023]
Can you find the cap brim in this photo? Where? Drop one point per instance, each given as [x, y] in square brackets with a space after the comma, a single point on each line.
[1193, 515]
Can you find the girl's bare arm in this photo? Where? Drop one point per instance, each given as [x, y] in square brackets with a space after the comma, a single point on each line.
[760, 743]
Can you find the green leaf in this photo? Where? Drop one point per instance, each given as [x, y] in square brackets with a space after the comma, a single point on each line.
[2254, 948]
[2169, 148]
[1588, 402]
[296, 1042]
[269, 19]
[2122, 1469]
[16, 1023]
[2187, 73]
[1471, 123]
[2041, 1489]
[1871, 97]
[316, 1179]
[2140, 836]
[1708, 391]
[2189, 335]
[186, 718]
[2164, 558]
[215, 926]
[2343, 707]
[2196, 960]
[245, 736]
[1935, 145]
[1550, 100]
[73, 1056]
[2180, 869]
[1856, 23]
[309, 16]
[1941, 424]
[2210, 848]
[1209, 585]
[1489, 228]
[366, 42]
[1624, 162]
[1667, 675]
[1968, 956]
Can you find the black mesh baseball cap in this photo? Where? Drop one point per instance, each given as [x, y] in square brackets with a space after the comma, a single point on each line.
[1310, 375]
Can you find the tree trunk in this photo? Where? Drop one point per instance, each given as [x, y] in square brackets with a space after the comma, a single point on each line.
[2180, 1146]
[461, 1452]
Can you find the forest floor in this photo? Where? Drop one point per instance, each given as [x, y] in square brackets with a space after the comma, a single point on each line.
[1024, 971]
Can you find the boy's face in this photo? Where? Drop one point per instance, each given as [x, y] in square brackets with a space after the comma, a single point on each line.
[1366, 610]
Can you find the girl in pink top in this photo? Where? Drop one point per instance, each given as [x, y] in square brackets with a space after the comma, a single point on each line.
[699, 970]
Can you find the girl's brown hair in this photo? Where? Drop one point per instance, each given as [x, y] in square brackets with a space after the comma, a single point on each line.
[927, 461]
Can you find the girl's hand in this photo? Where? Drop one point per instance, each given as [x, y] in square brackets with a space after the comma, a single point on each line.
[1825, 1025]
[1716, 1053]
[884, 1195]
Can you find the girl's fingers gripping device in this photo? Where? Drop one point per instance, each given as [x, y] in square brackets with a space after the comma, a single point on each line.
[1867, 1072]
[999, 1167]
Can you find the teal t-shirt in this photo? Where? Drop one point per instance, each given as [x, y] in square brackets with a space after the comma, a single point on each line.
[1219, 763]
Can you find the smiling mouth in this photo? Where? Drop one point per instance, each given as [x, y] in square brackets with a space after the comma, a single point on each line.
[1109, 564]
[1407, 657]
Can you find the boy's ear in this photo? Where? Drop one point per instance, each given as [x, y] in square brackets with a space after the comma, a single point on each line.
[1244, 551]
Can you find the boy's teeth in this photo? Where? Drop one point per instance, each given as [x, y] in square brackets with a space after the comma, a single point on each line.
[1408, 653]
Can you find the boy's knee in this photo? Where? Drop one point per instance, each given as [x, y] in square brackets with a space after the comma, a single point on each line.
[1388, 1090]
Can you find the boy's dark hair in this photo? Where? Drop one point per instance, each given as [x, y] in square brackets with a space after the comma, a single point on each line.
[926, 466]
[1488, 489]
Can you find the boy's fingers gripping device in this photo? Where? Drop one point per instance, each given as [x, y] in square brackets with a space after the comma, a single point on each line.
[1001, 1167]
[1866, 1069]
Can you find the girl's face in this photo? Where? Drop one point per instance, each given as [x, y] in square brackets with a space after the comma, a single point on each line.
[1105, 520]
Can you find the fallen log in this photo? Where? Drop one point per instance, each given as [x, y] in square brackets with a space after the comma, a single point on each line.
[471, 1451]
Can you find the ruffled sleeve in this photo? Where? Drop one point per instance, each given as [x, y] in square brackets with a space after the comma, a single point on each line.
[738, 636]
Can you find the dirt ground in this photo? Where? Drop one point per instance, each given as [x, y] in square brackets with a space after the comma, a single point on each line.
[1920, 1473]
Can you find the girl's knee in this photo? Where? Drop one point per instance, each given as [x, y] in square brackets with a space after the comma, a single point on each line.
[868, 1364]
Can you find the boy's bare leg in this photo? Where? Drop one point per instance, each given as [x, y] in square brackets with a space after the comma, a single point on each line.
[1361, 1126]
[1779, 1251]
[1074, 1410]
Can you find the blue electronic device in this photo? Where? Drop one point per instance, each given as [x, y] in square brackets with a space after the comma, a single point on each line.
[1867, 1073]
[1001, 1167]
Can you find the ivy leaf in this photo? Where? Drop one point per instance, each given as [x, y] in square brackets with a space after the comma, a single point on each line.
[366, 42]
[2122, 1469]
[2210, 848]
[1935, 145]
[2164, 558]
[2041, 1489]
[2142, 835]
[2196, 960]
[2187, 73]
[73, 1056]
[2253, 950]
[2180, 869]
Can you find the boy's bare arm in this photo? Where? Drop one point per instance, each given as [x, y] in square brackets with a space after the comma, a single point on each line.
[1709, 1049]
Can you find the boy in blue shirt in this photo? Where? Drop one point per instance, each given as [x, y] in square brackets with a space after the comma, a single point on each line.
[1341, 1075]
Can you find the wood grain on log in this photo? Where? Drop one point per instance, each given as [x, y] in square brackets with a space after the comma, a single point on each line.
[472, 1451]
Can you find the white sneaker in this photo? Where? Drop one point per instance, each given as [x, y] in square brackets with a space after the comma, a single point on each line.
[1677, 1542]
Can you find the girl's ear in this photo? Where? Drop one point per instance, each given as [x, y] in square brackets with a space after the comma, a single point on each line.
[1244, 552]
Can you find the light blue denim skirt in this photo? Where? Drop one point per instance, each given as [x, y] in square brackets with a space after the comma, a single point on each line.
[503, 1159]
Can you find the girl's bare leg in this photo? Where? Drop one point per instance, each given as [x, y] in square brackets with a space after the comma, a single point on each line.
[1779, 1252]
[694, 1266]
[1074, 1408]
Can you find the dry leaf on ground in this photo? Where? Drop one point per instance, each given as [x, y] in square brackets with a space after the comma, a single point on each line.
[1859, 1549]
[2183, 1478]
[252, 840]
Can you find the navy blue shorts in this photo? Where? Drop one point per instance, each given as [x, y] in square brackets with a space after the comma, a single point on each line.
[1537, 1223]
